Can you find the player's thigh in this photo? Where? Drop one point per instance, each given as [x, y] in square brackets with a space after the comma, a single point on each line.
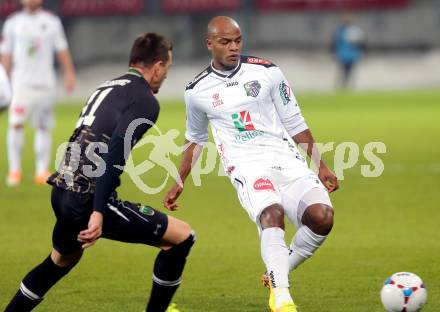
[42, 109]
[134, 223]
[302, 193]
[72, 212]
[256, 189]
[20, 107]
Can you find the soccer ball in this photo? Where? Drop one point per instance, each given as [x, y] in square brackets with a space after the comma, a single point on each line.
[403, 292]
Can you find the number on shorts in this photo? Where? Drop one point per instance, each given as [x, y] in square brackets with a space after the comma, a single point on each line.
[88, 112]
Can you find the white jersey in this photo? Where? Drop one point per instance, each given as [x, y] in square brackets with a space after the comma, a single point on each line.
[253, 115]
[31, 40]
[5, 88]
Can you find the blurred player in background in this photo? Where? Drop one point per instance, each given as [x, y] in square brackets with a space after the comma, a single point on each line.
[347, 45]
[86, 204]
[5, 89]
[31, 37]
[255, 120]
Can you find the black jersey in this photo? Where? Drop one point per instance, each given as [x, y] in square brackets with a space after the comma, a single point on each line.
[96, 148]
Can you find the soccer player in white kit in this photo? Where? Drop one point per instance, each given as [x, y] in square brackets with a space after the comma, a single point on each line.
[256, 121]
[31, 37]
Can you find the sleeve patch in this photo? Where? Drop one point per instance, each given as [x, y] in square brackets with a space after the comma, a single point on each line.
[285, 92]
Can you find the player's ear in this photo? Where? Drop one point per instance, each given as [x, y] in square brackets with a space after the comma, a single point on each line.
[157, 67]
[209, 44]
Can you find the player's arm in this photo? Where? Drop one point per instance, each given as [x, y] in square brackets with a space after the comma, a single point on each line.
[5, 89]
[292, 119]
[63, 56]
[6, 60]
[114, 160]
[7, 46]
[304, 140]
[65, 59]
[190, 156]
[196, 136]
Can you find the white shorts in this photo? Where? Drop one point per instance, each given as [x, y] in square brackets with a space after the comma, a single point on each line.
[33, 103]
[258, 188]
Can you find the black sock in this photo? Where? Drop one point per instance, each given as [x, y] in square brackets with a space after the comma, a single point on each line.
[167, 274]
[35, 285]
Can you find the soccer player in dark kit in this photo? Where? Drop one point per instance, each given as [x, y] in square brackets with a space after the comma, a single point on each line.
[84, 199]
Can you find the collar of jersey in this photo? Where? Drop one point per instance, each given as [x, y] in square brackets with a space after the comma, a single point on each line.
[134, 71]
[236, 69]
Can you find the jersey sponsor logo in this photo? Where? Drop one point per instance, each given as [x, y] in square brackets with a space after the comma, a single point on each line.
[263, 184]
[252, 88]
[217, 101]
[243, 123]
[285, 92]
[232, 84]
[34, 47]
[256, 60]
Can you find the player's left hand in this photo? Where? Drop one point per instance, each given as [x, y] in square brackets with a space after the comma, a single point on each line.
[93, 232]
[328, 178]
[170, 199]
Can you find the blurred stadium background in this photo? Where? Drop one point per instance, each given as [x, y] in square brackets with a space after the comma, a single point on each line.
[383, 224]
[296, 34]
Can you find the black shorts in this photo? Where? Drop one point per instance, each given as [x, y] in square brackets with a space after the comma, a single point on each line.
[123, 221]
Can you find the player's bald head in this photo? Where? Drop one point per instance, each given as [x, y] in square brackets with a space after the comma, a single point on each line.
[222, 25]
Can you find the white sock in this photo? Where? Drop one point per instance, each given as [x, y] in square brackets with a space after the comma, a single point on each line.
[303, 246]
[15, 141]
[275, 255]
[42, 147]
[282, 295]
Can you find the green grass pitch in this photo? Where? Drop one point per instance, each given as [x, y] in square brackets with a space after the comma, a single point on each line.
[382, 225]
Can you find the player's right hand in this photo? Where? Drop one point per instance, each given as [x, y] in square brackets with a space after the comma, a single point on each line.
[93, 232]
[169, 201]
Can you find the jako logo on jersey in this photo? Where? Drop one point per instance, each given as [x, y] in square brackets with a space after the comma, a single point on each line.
[252, 88]
[217, 101]
[285, 92]
[243, 121]
[263, 184]
[232, 84]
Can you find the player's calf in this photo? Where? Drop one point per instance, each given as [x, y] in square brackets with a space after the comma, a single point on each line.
[36, 283]
[167, 273]
[275, 255]
[317, 222]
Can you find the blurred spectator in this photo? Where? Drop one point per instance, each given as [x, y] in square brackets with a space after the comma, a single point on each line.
[347, 45]
[31, 38]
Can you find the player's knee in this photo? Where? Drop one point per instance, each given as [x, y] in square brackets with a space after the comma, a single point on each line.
[319, 218]
[66, 261]
[183, 249]
[186, 229]
[17, 127]
[272, 216]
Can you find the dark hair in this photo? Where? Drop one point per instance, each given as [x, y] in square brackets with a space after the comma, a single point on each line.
[150, 48]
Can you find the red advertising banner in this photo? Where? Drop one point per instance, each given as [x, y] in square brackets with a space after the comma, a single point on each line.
[101, 7]
[8, 6]
[195, 6]
[327, 4]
